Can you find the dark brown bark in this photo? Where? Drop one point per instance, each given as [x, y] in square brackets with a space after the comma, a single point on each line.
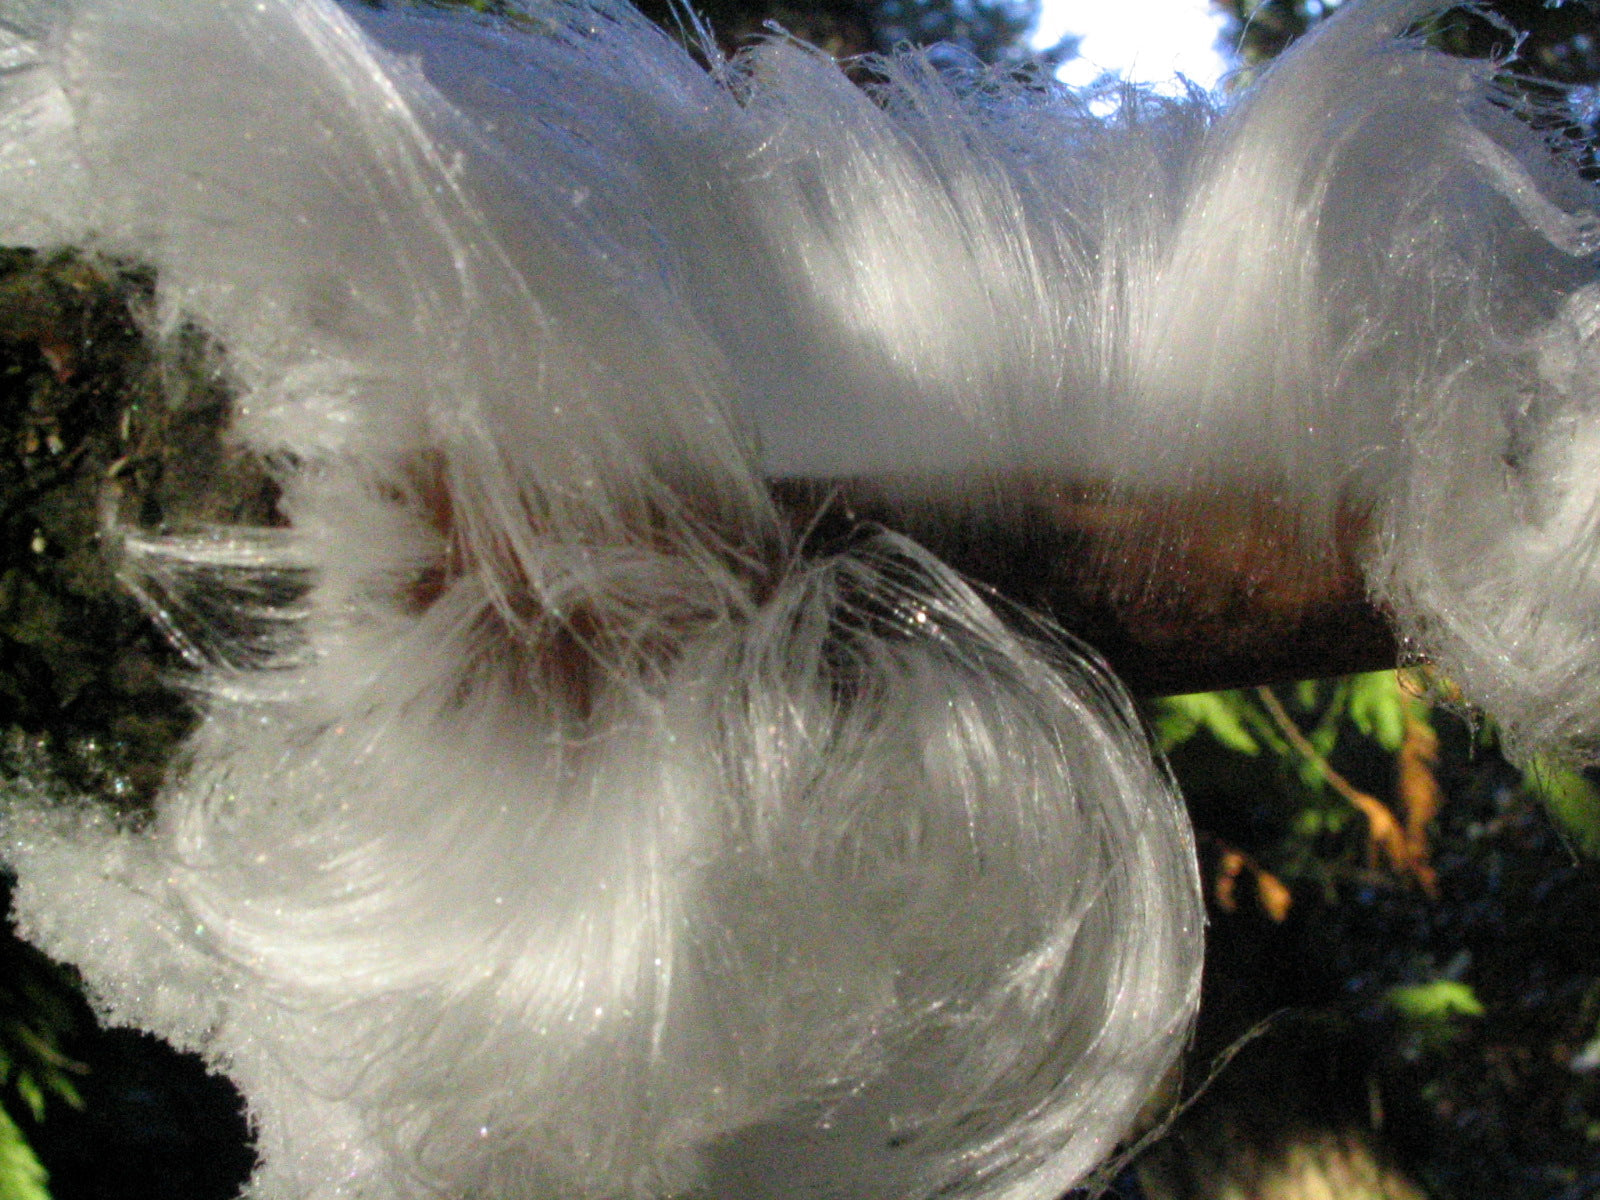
[1176, 595]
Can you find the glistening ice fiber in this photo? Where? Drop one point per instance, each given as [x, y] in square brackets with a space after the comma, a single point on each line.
[564, 825]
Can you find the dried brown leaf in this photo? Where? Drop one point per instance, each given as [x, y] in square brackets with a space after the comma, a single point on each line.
[1229, 868]
[1274, 895]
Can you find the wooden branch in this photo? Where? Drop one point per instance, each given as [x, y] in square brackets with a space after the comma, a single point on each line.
[1176, 595]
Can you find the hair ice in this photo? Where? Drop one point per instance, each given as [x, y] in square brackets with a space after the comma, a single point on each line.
[561, 822]
[558, 825]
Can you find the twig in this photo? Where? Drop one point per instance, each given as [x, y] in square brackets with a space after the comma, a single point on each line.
[1382, 827]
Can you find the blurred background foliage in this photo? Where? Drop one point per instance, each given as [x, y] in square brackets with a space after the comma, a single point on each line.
[1556, 42]
[1402, 992]
[1405, 929]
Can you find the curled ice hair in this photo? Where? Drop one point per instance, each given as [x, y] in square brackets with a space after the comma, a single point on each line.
[857, 892]
[562, 823]
[565, 820]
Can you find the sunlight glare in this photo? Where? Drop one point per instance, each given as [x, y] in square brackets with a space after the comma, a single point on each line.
[1152, 42]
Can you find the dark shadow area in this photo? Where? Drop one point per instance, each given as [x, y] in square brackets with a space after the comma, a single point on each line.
[154, 1125]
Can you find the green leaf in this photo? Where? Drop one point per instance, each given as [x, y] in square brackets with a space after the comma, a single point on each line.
[1436, 1002]
[1218, 713]
[61, 1086]
[1377, 707]
[22, 1176]
[32, 1096]
[1572, 801]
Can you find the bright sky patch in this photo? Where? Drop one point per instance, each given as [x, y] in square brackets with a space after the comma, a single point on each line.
[1141, 41]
